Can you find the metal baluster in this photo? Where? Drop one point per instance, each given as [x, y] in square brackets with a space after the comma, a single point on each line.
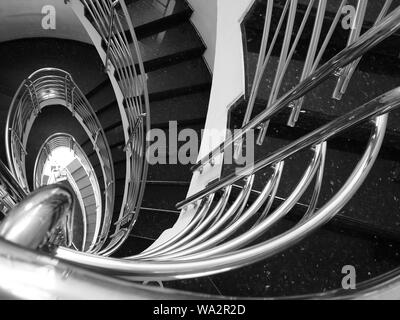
[353, 66]
[110, 32]
[354, 35]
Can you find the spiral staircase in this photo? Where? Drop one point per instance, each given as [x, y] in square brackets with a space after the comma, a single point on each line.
[319, 113]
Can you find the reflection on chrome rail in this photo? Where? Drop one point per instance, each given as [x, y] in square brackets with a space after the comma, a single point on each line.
[26, 274]
[37, 219]
[109, 25]
[366, 42]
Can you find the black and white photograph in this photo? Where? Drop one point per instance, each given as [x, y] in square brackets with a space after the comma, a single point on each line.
[209, 157]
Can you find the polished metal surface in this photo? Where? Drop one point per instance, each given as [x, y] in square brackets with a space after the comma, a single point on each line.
[370, 39]
[381, 105]
[223, 232]
[33, 221]
[124, 65]
[149, 267]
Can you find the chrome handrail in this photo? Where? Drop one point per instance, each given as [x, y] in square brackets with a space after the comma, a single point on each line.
[124, 66]
[388, 26]
[52, 86]
[232, 254]
[33, 221]
[28, 274]
[48, 278]
[381, 105]
[22, 268]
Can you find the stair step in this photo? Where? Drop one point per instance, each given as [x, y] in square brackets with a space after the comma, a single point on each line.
[118, 152]
[172, 192]
[340, 224]
[364, 86]
[133, 245]
[320, 108]
[152, 223]
[85, 192]
[90, 209]
[182, 108]
[171, 171]
[154, 25]
[180, 38]
[314, 265]
[101, 96]
[153, 47]
[167, 45]
[185, 109]
[83, 183]
[170, 101]
[171, 195]
[376, 202]
[169, 60]
[91, 220]
[90, 200]
[74, 166]
[179, 76]
[163, 95]
[148, 20]
[179, 108]
[79, 175]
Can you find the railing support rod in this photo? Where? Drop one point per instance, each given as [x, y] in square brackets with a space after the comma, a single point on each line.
[110, 31]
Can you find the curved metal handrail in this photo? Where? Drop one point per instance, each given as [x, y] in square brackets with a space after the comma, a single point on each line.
[166, 261]
[310, 78]
[183, 255]
[29, 226]
[33, 221]
[109, 31]
[22, 268]
[149, 268]
[47, 87]
[54, 142]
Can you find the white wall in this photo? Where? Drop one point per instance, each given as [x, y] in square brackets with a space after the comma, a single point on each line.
[23, 19]
[228, 81]
[204, 18]
[228, 86]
